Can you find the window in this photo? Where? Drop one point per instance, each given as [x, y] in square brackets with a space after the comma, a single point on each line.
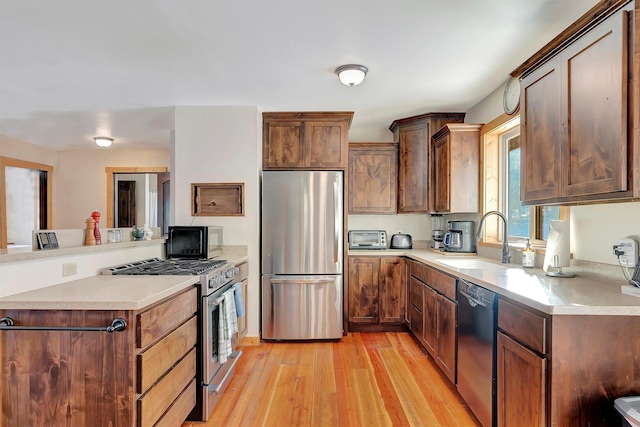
[502, 187]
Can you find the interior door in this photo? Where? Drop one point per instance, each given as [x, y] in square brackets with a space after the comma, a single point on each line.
[126, 204]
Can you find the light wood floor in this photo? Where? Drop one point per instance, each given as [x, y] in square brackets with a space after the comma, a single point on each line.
[365, 379]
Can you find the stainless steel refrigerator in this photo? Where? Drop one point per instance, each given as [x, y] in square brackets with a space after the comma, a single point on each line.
[302, 254]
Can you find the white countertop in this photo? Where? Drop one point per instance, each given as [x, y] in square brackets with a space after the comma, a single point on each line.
[100, 293]
[580, 295]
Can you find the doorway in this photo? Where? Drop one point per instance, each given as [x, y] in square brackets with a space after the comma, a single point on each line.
[25, 200]
[126, 216]
[148, 205]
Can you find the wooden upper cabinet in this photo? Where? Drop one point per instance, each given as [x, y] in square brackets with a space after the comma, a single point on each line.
[373, 178]
[413, 135]
[578, 138]
[455, 168]
[305, 140]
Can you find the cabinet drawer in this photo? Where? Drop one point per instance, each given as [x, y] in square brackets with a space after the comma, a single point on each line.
[442, 283]
[415, 293]
[179, 411]
[156, 322]
[527, 327]
[154, 403]
[417, 270]
[158, 359]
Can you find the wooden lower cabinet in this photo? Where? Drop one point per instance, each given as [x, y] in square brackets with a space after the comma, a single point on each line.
[376, 293]
[243, 278]
[521, 385]
[142, 376]
[433, 295]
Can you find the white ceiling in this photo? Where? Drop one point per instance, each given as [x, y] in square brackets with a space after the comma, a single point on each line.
[72, 69]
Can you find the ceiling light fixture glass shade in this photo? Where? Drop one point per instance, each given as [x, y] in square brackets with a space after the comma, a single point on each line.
[103, 141]
[351, 74]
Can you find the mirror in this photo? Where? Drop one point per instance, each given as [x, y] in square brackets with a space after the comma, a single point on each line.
[138, 196]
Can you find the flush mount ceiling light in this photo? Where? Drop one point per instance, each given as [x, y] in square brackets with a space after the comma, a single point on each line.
[351, 74]
[103, 141]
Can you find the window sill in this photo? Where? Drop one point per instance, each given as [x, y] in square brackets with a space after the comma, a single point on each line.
[539, 249]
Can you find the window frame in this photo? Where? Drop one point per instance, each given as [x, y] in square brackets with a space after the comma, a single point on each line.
[493, 186]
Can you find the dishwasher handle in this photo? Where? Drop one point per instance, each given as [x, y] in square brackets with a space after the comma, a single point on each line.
[472, 301]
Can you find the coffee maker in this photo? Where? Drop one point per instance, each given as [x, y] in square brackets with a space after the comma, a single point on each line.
[460, 237]
[437, 233]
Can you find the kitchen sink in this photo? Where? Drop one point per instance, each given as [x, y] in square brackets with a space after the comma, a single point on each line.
[475, 264]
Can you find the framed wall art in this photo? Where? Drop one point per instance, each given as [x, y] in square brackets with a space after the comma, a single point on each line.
[226, 199]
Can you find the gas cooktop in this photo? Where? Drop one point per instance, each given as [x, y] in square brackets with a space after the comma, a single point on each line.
[157, 266]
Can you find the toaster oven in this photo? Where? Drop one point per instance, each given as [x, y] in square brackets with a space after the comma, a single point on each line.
[367, 239]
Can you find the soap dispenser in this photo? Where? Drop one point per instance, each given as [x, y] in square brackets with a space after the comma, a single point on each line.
[528, 256]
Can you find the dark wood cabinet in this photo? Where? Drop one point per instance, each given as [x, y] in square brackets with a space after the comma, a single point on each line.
[577, 130]
[305, 140]
[455, 173]
[373, 178]
[243, 277]
[433, 301]
[376, 293]
[413, 134]
[141, 376]
[521, 388]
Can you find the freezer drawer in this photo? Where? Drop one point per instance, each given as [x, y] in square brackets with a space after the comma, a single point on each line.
[301, 307]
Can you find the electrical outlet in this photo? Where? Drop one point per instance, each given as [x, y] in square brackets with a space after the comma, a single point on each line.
[69, 269]
[630, 255]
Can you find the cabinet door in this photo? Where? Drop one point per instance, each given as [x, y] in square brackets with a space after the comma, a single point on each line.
[446, 339]
[595, 89]
[413, 169]
[283, 145]
[407, 294]
[430, 318]
[441, 175]
[326, 145]
[242, 321]
[373, 178]
[392, 290]
[364, 274]
[541, 133]
[521, 376]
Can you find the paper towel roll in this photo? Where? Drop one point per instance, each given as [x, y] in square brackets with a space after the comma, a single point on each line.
[557, 245]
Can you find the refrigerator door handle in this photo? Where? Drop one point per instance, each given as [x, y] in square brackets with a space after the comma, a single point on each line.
[337, 213]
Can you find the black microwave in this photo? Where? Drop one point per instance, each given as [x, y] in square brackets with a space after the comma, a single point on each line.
[194, 242]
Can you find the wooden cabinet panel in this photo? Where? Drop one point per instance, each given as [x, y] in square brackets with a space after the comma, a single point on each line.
[417, 322]
[373, 178]
[521, 390]
[155, 361]
[447, 328]
[417, 270]
[455, 171]
[596, 111]
[524, 325]
[155, 402]
[157, 321]
[392, 289]
[310, 140]
[412, 184]
[180, 409]
[416, 291]
[430, 319]
[540, 133]
[364, 276]
[243, 278]
[326, 144]
[283, 144]
[443, 283]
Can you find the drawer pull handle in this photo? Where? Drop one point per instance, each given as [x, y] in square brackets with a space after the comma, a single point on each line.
[118, 324]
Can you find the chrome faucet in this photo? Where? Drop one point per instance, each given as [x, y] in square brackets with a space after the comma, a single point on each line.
[506, 253]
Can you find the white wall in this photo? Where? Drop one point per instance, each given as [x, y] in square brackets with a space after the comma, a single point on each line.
[21, 204]
[221, 145]
[594, 228]
[80, 181]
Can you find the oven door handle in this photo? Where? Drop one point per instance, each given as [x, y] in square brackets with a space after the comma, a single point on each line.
[229, 365]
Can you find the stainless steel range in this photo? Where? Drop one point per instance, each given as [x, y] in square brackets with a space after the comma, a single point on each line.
[216, 277]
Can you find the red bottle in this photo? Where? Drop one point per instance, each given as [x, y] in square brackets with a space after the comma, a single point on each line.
[96, 230]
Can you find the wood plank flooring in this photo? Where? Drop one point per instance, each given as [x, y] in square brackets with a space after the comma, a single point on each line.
[365, 379]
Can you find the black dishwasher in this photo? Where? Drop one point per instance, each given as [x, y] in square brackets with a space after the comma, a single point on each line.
[477, 315]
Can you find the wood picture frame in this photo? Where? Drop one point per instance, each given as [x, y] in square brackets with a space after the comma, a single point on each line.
[224, 199]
